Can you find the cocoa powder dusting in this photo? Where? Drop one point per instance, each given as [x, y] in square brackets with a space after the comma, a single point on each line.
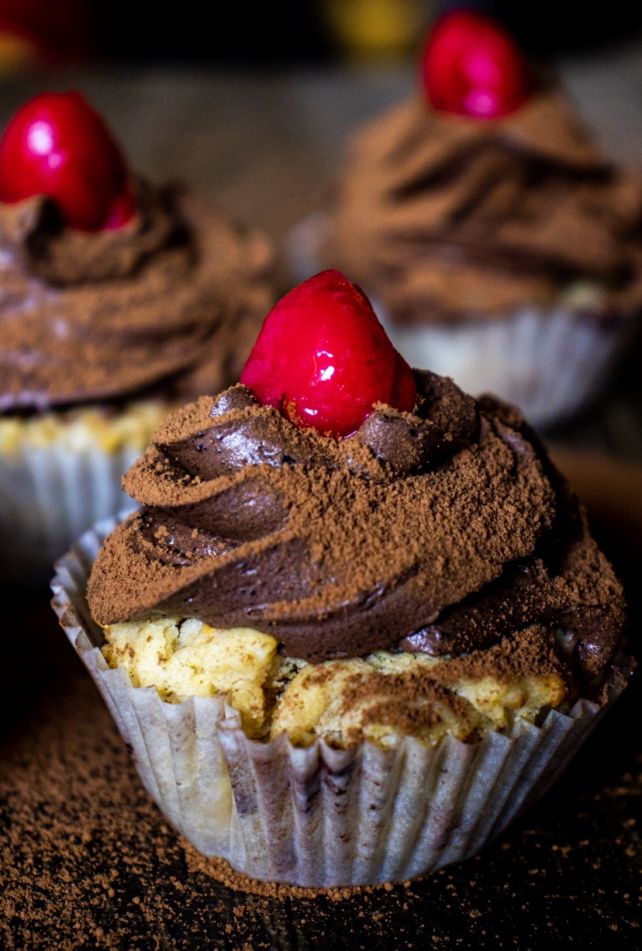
[444, 219]
[445, 530]
[168, 305]
[529, 653]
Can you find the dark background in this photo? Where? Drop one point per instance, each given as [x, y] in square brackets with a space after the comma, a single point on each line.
[289, 31]
[252, 106]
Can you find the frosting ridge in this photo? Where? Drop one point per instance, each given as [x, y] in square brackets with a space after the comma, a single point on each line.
[408, 535]
[115, 313]
[441, 215]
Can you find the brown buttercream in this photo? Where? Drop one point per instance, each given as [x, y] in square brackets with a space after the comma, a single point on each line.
[444, 530]
[447, 217]
[172, 301]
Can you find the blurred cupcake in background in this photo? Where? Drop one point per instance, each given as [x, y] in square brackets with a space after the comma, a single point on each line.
[501, 246]
[117, 299]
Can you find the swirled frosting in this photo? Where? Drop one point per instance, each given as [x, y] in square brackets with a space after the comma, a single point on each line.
[442, 530]
[447, 217]
[172, 300]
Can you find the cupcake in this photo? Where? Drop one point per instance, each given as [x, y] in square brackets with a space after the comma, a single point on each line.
[359, 622]
[117, 301]
[501, 246]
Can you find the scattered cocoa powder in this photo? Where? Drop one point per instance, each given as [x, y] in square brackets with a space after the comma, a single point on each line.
[223, 872]
[87, 861]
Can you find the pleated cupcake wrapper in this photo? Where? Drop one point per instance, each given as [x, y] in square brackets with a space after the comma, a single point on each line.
[48, 496]
[317, 816]
[550, 362]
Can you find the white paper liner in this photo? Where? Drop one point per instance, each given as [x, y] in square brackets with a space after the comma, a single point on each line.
[550, 363]
[316, 816]
[48, 496]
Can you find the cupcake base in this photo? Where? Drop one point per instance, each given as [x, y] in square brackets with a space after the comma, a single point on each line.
[549, 364]
[316, 816]
[59, 474]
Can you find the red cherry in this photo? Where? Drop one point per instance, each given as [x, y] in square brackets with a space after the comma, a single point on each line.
[471, 66]
[323, 359]
[56, 145]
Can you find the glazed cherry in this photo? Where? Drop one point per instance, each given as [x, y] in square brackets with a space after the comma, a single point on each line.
[471, 66]
[56, 145]
[323, 359]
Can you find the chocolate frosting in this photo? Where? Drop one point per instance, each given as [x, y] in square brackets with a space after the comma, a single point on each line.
[172, 301]
[443, 216]
[442, 530]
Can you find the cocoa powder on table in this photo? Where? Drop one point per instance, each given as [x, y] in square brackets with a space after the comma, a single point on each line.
[87, 861]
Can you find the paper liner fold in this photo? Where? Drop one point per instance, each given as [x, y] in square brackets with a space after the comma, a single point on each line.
[317, 816]
[549, 362]
[48, 496]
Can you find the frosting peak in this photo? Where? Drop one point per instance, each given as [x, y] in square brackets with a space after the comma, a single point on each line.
[339, 548]
[111, 314]
[444, 216]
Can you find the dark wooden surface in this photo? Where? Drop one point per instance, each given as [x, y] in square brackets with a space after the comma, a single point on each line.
[569, 874]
